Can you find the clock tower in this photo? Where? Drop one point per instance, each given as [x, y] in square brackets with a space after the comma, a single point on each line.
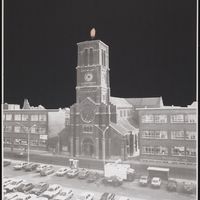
[93, 72]
[91, 114]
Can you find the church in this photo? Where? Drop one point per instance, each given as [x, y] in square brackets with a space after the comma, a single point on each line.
[100, 125]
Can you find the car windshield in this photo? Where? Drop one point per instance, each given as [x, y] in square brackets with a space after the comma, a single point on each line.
[14, 183]
[51, 189]
[143, 178]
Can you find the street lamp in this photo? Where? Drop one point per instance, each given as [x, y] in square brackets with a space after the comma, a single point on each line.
[27, 130]
[104, 143]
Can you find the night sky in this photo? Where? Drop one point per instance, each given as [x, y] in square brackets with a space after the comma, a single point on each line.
[152, 48]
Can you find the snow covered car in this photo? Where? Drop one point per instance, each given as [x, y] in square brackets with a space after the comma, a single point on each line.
[52, 191]
[172, 185]
[144, 180]
[6, 163]
[41, 167]
[39, 188]
[72, 173]
[66, 194]
[83, 173]
[23, 196]
[156, 182]
[92, 177]
[25, 187]
[48, 170]
[188, 187]
[62, 171]
[13, 185]
[31, 167]
[86, 196]
[7, 181]
[113, 180]
[107, 196]
[12, 195]
[20, 166]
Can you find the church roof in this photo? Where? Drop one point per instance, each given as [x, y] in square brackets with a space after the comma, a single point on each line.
[120, 129]
[126, 124]
[120, 102]
[148, 102]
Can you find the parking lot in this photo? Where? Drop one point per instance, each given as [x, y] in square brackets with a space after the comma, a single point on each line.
[129, 189]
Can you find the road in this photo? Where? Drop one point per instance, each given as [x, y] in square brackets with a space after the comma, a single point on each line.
[130, 189]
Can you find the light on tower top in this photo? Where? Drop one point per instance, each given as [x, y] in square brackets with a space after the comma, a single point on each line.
[92, 33]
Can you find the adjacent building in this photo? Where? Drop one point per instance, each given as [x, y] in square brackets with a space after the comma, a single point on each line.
[168, 133]
[37, 124]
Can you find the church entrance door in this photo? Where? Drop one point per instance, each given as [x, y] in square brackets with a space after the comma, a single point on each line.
[88, 147]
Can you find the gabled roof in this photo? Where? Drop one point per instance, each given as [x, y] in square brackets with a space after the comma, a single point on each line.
[120, 102]
[148, 102]
[120, 129]
[126, 124]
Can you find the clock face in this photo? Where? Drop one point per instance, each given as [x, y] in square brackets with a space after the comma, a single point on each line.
[87, 113]
[88, 76]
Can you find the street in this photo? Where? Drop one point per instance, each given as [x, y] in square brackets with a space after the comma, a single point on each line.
[129, 189]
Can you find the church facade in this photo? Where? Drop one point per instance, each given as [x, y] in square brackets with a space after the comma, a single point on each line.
[100, 125]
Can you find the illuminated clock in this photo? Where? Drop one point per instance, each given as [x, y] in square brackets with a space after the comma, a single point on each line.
[88, 76]
[87, 113]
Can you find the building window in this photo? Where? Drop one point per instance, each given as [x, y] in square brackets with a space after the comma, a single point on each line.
[3, 117]
[103, 56]
[121, 113]
[24, 142]
[179, 135]
[147, 119]
[124, 113]
[91, 57]
[24, 117]
[17, 141]
[34, 142]
[8, 128]
[17, 117]
[42, 143]
[7, 141]
[85, 57]
[42, 117]
[178, 151]
[34, 117]
[33, 130]
[159, 150]
[8, 117]
[177, 118]
[154, 134]
[190, 135]
[191, 152]
[41, 130]
[17, 129]
[190, 118]
[160, 118]
[87, 128]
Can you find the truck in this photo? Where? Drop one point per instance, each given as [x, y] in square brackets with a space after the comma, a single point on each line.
[119, 170]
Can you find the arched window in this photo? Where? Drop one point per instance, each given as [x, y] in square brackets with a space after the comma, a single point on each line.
[91, 57]
[85, 57]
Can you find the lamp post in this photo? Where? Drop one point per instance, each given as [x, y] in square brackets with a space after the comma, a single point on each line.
[27, 131]
[104, 143]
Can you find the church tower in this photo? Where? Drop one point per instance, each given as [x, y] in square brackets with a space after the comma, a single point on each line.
[93, 72]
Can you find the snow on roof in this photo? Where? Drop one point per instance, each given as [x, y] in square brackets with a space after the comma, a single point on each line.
[120, 102]
[142, 102]
[158, 169]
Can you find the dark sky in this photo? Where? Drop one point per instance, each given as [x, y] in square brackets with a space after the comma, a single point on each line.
[152, 48]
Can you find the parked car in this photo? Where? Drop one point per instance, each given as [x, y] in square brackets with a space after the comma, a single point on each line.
[113, 180]
[107, 196]
[39, 188]
[62, 171]
[7, 181]
[92, 177]
[123, 198]
[156, 182]
[188, 187]
[13, 185]
[31, 167]
[12, 195]
[41, 167]
[25, 187]
[48, 170]
[72, 173]
[52, 191]
[172, 185]
[83, 173]
[23, 196]
[20, 166]
[86, 196]
[6, 163]
[65, 195]
[144, 180]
